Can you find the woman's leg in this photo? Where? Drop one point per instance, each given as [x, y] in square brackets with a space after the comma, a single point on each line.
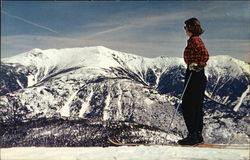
[200, 96]
[193, 101]
[187, 106]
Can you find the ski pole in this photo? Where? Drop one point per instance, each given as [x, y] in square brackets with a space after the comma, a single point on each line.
[179, 103]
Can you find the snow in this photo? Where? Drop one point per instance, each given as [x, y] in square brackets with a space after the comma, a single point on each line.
[220, 64]
[102, 57]
[65, 58]
[31, 80]
[94, 62]
[65, 110]
[85, 105]
[119, 105]
[52, 61]
[148, 101]
[123, 153]
[244, 94]
[19, 83]
[106, 108]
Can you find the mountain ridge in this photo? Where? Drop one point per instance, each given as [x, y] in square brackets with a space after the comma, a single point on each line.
[104, 84]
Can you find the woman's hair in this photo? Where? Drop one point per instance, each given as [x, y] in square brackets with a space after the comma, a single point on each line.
[193, 26]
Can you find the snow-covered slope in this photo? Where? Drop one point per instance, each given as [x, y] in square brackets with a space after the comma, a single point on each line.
[124, 153]
[104, 84]
[52, 61]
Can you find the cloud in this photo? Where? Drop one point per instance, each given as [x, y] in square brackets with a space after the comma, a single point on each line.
[29, 22]
[130, 25]
[111, 31]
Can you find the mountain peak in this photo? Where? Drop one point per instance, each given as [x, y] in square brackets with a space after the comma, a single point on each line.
[104, 57]
[225, 61]
[36, 50]
[102, 48]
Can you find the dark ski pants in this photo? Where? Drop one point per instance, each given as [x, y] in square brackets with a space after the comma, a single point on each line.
[192, 102]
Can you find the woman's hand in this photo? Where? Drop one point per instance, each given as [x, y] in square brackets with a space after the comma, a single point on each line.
[195, 67]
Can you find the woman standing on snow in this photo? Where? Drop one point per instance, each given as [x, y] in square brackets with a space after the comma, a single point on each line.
[195, 56]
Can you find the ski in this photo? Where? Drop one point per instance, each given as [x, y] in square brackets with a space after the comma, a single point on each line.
[218, 146]
[118, 143]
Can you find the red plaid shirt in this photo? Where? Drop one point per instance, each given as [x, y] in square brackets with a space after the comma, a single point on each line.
[195, 52]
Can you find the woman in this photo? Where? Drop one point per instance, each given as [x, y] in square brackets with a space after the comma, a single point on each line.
[195, 56]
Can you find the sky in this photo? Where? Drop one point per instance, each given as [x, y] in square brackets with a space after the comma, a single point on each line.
[145, 28]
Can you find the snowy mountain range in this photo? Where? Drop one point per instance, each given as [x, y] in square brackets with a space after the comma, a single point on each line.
[104, 85]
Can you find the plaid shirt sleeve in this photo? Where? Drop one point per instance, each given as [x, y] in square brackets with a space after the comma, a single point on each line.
[195, 52]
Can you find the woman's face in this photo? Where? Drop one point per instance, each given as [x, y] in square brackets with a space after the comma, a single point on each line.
[189, 34]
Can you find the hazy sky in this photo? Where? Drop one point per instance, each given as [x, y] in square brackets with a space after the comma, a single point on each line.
[144, 28]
